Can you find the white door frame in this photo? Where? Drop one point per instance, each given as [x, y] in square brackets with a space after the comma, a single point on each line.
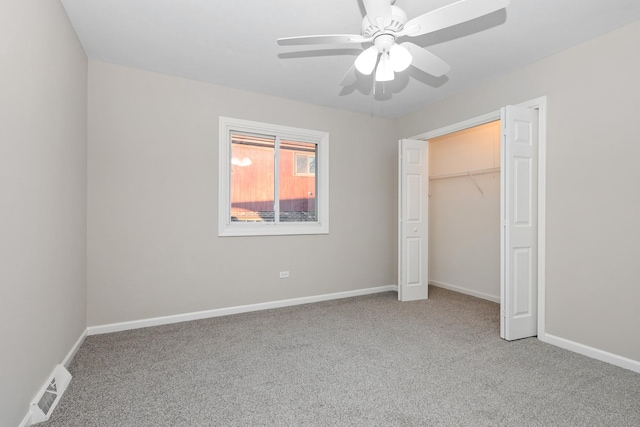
[541, 105]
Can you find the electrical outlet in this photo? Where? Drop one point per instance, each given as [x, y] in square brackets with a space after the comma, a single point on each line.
[284, 274]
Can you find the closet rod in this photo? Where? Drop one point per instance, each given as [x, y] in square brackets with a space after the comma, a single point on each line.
[466, 173]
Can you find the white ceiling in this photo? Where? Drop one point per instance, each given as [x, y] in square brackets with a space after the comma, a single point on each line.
[233, 43]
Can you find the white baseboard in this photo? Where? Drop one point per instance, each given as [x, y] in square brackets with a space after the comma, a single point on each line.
[165, 320]
[67, 360]
[26, 422]
[466, 291]
[594, 353]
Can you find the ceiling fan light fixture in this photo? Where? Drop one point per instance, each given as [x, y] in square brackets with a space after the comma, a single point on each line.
[366, 61]
[384, 23]
[384, 72]
[399, 57]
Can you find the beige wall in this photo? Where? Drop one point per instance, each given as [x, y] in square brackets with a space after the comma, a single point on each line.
[592, 181]
[464, 223]
[43, 96]
[153, 248]
[465, 150]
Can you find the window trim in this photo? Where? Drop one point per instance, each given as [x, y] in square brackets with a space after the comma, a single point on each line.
[226, 227]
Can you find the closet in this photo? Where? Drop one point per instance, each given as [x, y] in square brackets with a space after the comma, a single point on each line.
[464, 211]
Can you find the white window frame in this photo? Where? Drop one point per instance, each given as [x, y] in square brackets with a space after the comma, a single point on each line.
[226, 227]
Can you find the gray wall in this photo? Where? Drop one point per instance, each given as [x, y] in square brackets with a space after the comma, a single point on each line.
[43, 122]
[153, 248]
[593, 200]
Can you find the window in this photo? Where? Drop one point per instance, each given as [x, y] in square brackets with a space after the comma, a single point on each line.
[305, 164]
[273, 179]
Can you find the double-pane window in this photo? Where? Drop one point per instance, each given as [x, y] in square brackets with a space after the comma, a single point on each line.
[273, 179]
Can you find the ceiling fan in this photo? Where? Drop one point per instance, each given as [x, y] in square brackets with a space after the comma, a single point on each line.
[385, 23]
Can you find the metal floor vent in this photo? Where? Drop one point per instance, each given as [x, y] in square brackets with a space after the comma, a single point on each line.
[50, 395]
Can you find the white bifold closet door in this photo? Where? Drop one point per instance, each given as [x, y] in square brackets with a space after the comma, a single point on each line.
[413, 215]
[519, 234]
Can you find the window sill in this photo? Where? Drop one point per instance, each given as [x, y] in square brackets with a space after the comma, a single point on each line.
[271, 229]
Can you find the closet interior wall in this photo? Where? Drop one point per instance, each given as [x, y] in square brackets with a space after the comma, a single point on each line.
[464, 211]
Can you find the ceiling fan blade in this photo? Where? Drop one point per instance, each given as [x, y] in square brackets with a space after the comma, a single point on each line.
[453, 14]
[350, 77]
[378, 12]
[326, 39]
[426, 61]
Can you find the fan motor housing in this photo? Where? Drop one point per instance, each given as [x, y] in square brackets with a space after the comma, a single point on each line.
[398, 19]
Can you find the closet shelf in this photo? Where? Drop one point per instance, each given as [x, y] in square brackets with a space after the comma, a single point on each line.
[465, 173]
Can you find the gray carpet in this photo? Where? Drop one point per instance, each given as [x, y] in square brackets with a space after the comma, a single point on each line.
[365, 361]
